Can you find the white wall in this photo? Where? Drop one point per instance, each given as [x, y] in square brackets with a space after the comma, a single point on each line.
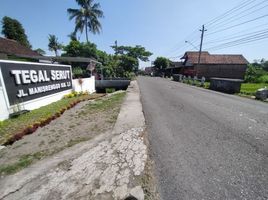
[4, 113]
[3, 105]
[87, 85]
[37, 103]
[29, 105]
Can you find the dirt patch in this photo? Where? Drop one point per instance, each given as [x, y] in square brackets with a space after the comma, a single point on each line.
[81, 123]
[148, 180]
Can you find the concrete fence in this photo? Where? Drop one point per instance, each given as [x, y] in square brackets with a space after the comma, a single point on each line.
[117, 84]
[84, 85]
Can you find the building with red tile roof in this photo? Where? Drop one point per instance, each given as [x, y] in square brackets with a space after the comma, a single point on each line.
[13, 48]
[214, 65]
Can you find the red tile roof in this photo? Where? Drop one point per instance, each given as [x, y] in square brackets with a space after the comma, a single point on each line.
[12, 47]
[206, 58]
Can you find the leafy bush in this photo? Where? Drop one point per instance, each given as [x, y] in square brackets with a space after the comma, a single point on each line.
[253, 74]
[263, 79]
[75, 94]
[130, 75]
[110, 90]
[77, 72]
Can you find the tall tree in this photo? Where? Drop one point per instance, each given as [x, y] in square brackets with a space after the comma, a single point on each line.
[161, 63]
[86, 17]
[13, 29]
[72, 36]
[137, 52]
[129, 57]
[80, 49]
[54, 44]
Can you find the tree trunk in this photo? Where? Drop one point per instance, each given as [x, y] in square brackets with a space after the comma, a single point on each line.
[86, 31]
[56, 52]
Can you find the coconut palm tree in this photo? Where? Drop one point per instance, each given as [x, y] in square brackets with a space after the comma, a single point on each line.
[53, 44]
[86, 17]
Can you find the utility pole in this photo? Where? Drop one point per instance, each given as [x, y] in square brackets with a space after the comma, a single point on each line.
[201, 44]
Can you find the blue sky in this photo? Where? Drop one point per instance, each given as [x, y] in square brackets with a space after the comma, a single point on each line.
[161, 26]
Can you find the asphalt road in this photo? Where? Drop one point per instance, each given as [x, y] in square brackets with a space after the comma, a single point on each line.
[205, 144]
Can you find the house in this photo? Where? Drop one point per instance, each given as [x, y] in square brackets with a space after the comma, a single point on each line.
[13, 48]
[174, 68]
[149, 71]
[214, 65]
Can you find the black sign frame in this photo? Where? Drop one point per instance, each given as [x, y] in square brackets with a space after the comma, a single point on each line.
[40, 80]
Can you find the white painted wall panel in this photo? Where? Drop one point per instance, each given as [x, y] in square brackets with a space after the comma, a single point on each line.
[3, 106]
[88, 85]
[37, 103]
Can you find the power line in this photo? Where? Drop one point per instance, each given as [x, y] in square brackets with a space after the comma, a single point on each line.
[180, 45]
[191, 44]
[240, 41]
[239, 6]
[238, 36]
[260, 35]
[243, 43]
[235, 19]
[241, 31]
[232, 16]
[245, 22]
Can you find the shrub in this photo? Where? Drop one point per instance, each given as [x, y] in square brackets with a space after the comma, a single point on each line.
[78, 72]
[253, 74]
[85, 93]
[73, 94]
[131, 76]
[110, 90]
[263, 79]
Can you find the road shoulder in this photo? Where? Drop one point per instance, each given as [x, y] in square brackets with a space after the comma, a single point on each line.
[110, 166]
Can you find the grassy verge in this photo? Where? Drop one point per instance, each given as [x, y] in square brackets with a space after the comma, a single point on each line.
[251, 88]
[247, 89]
[197, 83]
[104, 109]
[103, 104]
[11, 127]
[23, 162]
[28, 159]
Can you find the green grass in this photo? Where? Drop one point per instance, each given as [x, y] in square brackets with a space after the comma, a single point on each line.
[110, 90]
[28, 159]
[23, 162]
[197, 83]
[12, 126]
[111, 103]
[248, 89]
[104, 104]
[206, 85]
[76, 141]
[251, 88]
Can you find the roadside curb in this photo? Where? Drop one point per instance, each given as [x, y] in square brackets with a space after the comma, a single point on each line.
[110, 166]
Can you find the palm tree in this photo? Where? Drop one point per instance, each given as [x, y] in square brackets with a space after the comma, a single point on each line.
[72, 36]
[53, 44]
[86, 17]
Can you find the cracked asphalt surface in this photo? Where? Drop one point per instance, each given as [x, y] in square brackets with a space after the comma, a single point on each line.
[205, 144]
